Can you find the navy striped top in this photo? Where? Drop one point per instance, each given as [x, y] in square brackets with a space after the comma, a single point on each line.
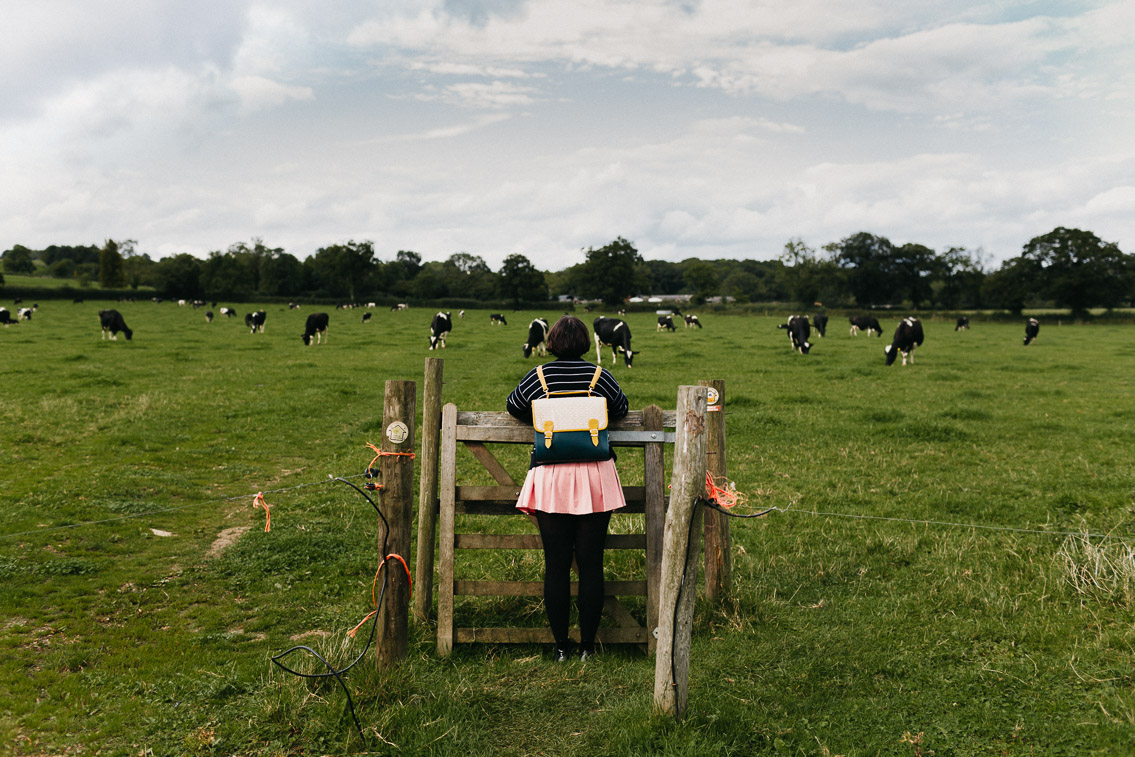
[566, 376]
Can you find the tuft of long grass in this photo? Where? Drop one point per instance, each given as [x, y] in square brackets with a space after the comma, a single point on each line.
[1099, 569]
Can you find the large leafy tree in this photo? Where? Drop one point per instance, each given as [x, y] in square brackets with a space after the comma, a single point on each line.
[609, 272]
[1078, 270]
[870, 265]
[344, 269]
[809, 277]
[469, 275]
[111, 267]
[959, 278]
[19, 260]
[178, 276]
[701, 277]
[914, 268]
[520, 281]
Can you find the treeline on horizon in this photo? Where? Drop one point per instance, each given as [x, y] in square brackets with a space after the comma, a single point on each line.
[1068, 268]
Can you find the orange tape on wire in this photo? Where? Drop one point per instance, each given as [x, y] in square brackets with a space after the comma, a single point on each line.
[258, 501]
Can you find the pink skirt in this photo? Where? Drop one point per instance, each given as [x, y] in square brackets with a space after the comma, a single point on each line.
[572, 489]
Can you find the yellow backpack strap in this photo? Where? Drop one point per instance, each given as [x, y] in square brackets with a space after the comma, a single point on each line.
[594, 379]
[540, 375]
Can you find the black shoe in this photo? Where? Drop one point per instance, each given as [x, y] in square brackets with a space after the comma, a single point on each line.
[562, 654]
[588, 654]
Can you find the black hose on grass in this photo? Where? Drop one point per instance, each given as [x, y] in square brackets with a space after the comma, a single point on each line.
[337, 673]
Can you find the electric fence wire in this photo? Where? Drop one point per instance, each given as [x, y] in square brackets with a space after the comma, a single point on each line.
[919, 521]
[148, 513]
[332, 671]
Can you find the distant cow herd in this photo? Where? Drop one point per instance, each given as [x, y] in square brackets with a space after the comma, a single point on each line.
[613, 333]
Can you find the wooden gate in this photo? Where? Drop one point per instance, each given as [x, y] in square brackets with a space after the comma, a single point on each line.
[643, 429]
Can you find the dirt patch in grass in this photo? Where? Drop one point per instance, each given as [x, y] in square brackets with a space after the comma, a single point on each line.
[226, 539]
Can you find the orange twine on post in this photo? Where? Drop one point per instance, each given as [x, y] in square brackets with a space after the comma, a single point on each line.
[379, 453]
[374, 586]
[258, 501]
[725, 498]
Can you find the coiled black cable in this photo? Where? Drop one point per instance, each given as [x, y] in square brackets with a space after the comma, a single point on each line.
[332, 671]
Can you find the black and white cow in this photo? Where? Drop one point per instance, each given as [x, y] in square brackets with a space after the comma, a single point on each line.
[255, 321]
[798, 332]
[868, 323]
[908, 335]
[208, 316]
[692, 321]
[6, 317]
[537, 338]
[400, 306]
[666, 323]
[613, 333]
[963, 323]
[24, 314]
[440, 327]
[1032, 326]
[497, 319]
[228, 312]
[820, 321]
[315, 326]
[366, 317]
[111, 322]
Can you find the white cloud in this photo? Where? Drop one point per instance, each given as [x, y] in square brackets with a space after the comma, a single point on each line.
[257, 92]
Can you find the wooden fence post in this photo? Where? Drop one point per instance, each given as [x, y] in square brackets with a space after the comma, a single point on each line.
[396, 500]
[718, 544]
[427, 494]
[654, 508]
[680, 558]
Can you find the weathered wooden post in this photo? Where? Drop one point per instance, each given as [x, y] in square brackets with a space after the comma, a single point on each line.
[680, 558]
[427, 494]
[396, 500]
[718, 544]
[654, 479]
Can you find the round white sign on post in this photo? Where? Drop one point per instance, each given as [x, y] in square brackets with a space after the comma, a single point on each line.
[711, 396]
[397, 432]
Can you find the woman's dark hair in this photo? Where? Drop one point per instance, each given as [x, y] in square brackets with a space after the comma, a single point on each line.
[568, 338]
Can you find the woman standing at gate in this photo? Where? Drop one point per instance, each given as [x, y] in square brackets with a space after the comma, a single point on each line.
[571, 502]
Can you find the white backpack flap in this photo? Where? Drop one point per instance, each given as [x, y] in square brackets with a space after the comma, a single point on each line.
[570, 426]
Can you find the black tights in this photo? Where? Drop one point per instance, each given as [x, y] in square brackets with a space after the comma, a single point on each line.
[581, 536]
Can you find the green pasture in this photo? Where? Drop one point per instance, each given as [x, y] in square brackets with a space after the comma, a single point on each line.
[950, 571]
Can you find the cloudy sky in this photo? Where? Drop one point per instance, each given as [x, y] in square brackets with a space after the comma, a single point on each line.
[711, 128]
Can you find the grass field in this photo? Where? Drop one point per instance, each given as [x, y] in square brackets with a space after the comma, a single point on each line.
[847, 634]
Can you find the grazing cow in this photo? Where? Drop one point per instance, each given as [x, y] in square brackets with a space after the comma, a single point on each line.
[112, 323]
[461, 314]
[400, 306]
[908, 335]
[255, 321]
[293, 306]
[497, 318]
[820, 321]
[366, 317]
[208, 316]
[613, 333]
[537, 338]
[1032, 326]
[799, 331]
[440, 327]
[6, 317]
[182, 303]
[24, 314]
[622, 311]
[665, 322]
[228, 312]
[692, 321]
[868, 323]
[316, 326]
[963, 323]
